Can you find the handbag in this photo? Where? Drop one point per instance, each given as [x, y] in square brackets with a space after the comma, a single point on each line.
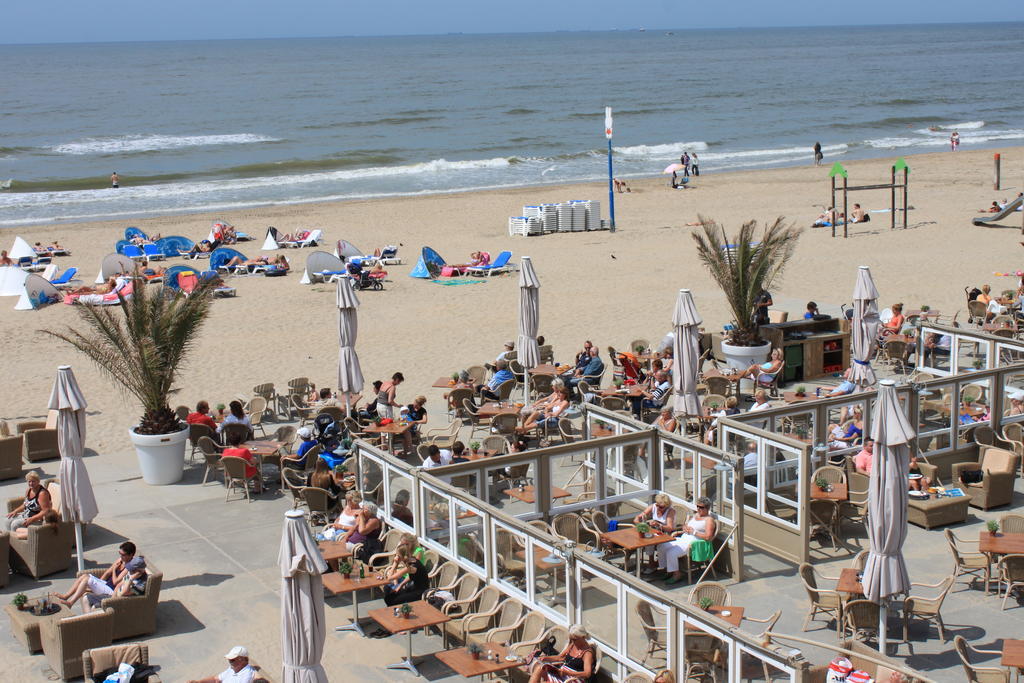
[972, 476]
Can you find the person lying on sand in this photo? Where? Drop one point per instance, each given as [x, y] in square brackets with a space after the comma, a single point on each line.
[992, 209]
[825, 219]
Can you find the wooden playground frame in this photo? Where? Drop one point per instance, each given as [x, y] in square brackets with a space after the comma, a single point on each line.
[892, 186]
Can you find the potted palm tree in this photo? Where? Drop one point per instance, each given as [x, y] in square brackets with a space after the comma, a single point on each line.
[744, 265]
[141, 345]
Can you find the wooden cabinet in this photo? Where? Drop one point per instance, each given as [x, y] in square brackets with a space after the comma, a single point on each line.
[811, 348]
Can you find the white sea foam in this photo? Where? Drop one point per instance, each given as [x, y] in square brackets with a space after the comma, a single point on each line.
[966, 139]
[784, 152]
[130, 144]
[670, 149]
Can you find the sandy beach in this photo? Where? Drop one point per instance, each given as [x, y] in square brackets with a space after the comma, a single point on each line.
[610, 288]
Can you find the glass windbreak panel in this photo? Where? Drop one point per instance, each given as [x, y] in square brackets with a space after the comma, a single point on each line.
[372, 480]
[600, 427]
[757, 668]
[510, 554]
[845, 430]
[438, 513]
[599, 604]
[466, 482]
[716, 483]
[974, 399]
[677, 466]
[782, 478]
[623, 464]
[970, 355]
[636, 464]
[938, 348]
[1013, 397]
[573, 473]
[799, 426]
[469, 535]
[1009, 355]
[646, 632]
[549, 577]
[935, 417]
[750, 454]
[511, 488]
[400, 493]
[706, 651]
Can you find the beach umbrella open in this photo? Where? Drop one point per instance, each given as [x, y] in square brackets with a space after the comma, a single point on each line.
[303, 627]
[865, 329]
[686, 351]
[77, 500]
[527, 351]
[350, 375]
[673, 168]
[885, 572]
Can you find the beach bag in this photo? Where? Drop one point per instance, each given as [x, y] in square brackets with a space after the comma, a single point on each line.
[448, 271]
[859, 677]
[370, 547]
[838, 670]
[971, 476]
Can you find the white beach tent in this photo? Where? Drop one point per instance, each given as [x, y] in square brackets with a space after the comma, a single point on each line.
[270, 244]
[115, 264]
[21, 249]
[36, 293]
[12, 280]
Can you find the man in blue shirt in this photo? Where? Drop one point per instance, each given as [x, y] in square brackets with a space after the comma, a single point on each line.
[298, 461]
[488, 392]
[592, 371]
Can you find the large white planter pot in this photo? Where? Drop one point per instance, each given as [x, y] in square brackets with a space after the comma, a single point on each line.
[742, 357]
[161, 456]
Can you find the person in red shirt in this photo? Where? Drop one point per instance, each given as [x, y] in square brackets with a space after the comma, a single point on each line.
[236, 450]
[202, 416]
[863, 460]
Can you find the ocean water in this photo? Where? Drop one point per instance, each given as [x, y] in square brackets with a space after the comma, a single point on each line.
[217, 125]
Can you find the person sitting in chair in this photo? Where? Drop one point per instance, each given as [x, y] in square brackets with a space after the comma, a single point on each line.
[120, 578]
[488, 392]
[654, 397]
[239, 670]
[591, 371]
[699, 527]
[298, 461]
[765, 372]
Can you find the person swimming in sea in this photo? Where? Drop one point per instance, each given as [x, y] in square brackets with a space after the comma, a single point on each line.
[115, 181]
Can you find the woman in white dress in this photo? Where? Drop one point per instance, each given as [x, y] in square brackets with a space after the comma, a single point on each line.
[700, 527]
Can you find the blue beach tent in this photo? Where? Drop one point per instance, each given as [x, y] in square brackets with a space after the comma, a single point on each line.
[221, 256]
[429, 265]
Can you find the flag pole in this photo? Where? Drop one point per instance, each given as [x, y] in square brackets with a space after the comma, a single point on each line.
[611, 187]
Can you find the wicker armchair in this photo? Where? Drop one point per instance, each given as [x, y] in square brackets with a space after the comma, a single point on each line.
[65, 639]
[927, 608]
[718, 593]
[11, 448]
[979, 674]
[45, 551]
[40, 444]
[860, 617]
[971, 563]
[476, 626]
[483, 602]
[135, 615]
[5, 553]
[100, 660]
[827, 602]
[996, 486]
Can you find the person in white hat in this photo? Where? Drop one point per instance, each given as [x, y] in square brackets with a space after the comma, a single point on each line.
[239, 670]
[298, 461]
[509, 347]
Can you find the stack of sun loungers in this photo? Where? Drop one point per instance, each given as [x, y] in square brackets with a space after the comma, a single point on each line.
[576, 215]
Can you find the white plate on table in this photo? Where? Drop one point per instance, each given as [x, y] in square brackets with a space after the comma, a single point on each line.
[918, 494]
[726, 613]
[916, 476]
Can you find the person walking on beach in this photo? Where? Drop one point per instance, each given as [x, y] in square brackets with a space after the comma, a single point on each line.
[114, 180]
[954, 141]
[685, 161]
[694, 166]
[818, 156]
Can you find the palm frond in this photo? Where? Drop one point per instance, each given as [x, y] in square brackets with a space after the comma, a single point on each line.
[142, 344]
[745, 264]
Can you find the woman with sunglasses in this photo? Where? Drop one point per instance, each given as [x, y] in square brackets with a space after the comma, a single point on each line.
[660, 516]
[700, 527]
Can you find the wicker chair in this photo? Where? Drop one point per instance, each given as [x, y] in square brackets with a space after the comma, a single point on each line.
[614, 403]
[827, 602]
[40, 444]
[99, 660]
[257, 410]
[1011, 575]
[5, 553]
[979, 674]
[496, 443]
[996, 486]
[443, 437]
[65, 639]
[11, 448]
[860, 617]
[1012, 524]
[830, 473]
[304, 412]
[234, 473]
[211, 453]
[444, 575]
[570, 527]
[321, 504]
[531, 626]
[476, 626]
[524, 646]
[656, 635]
[196, 432]
[230, 428]
[134, 615]
[469, 412]
[718, 593]
[483, 601]
[505, 552]
[43, 552]
[927, 608]
[976, 564]
[294, 482]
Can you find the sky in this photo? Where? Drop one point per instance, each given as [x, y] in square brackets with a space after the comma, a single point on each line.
[60, 21]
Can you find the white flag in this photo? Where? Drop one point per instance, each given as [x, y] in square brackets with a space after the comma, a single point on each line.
[608, 122]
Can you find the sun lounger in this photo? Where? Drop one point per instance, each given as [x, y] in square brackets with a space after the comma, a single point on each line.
[32, 265]
[500, 265]
[134, 253]
[152, 252]
[65, 278]
[389, 256]
[108, 299]
[311, 239]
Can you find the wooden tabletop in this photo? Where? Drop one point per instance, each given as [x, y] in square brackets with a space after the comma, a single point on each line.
[443, 383]
[898, 338]
[461, 662]
[930, 313]
[538, 559]
[493, 409]
[848, 582]
[1013, 653]
[634, 390]
[839, 492]
[791, 397]
[527, 494]
[337, 584]
[598, 432]
[735, 613]
[397, 427]
[333, 550]
[263, 446]
[732, 376]
[549, 369]
[630, 539]
[1002, 544]
[423, 614]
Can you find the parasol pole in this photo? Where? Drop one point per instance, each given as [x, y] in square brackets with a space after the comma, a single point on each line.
[611, 185]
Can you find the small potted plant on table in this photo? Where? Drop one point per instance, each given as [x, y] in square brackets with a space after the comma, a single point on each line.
[475, 650]
[345, 568]
[822, 484]
[19, 601]
[993, 527]
[705, 603]
[474, 448]
[405, 610]
[801, 391]
[644, 529]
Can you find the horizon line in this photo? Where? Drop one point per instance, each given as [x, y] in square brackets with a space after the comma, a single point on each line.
[638, 29]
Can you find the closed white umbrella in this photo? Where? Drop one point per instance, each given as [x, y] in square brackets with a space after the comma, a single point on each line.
[350, 374]
[527, 351]
[865, 329]
[885, 572]
[303, 627]
[686, 352]
[77, 500]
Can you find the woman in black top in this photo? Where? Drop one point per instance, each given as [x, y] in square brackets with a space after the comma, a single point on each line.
[573, 664]
[410, 587]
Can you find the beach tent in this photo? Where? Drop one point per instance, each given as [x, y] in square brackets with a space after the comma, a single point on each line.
[132, 233]
[221, 256]
[171, 276]
[12, 280]
[115, 264]
[429, 265]
[270, 244]
[173, 245]
[319, 262]
[21, 249]
[346, 250]
[36, 293]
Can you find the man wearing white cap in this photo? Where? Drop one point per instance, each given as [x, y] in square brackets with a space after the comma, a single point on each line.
[238, 670]
[509, 347]
[298, 461]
